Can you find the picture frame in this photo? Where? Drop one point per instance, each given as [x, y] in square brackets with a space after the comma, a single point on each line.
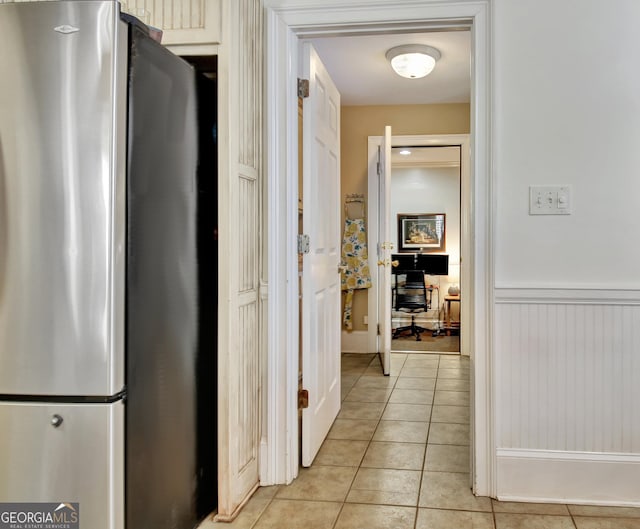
[421, 232]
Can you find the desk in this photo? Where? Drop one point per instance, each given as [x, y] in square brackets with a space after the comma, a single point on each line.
[448, 300]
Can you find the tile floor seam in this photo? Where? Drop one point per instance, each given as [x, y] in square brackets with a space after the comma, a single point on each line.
[426, 444]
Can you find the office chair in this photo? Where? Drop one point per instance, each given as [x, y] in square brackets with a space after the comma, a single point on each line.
[410, 297]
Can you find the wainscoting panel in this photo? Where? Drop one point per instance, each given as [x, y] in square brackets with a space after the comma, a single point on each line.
[567, 389]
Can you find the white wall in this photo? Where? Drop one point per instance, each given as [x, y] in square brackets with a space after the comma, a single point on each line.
[566, 110]
[429, 190]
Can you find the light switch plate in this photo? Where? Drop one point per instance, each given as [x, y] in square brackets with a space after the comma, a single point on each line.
[550, 200]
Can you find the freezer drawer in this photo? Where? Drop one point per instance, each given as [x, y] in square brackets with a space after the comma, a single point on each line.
[79, 460]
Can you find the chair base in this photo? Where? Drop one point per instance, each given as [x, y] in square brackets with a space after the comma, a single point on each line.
[413, 329]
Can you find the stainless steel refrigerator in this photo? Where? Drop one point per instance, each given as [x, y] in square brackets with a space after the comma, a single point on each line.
[103, 372]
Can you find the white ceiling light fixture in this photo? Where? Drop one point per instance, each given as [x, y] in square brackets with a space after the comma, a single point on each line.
[413, 61]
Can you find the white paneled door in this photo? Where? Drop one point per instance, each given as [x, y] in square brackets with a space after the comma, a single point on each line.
[321, 273]
[385, 249]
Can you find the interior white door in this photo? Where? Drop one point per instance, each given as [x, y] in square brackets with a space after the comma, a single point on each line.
[385, 248]
[321, 275]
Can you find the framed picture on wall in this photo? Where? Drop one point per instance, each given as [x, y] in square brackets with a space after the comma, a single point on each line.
[421, 232]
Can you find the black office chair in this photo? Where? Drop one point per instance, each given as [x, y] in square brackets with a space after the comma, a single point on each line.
[410, 296]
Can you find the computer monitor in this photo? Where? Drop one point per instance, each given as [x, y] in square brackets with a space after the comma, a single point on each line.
[433, 264]
[406, 261]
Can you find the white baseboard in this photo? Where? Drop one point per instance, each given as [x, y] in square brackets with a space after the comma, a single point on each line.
[568, 477]
[354, 342]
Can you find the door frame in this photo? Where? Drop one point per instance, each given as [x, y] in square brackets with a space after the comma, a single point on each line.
[466, 226]
[286, 22]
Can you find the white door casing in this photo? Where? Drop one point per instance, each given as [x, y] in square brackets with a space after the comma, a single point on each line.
[287, 21]
[384, 251]
[321, 274]
[376, 223]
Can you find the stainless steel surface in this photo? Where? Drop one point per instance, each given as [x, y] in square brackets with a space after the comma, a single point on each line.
[80, 461]
[162, 304]
[61, 184]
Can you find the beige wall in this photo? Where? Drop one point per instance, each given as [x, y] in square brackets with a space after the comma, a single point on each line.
[359, 122]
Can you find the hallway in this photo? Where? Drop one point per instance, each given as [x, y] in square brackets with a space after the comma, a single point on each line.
[397, 457]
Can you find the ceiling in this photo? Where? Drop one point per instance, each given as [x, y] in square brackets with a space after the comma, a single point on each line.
[358, 67]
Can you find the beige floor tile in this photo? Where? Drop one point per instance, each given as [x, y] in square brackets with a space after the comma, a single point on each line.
[442, 433]
[449, 490]
[530, 508]
[447, 458]
[353, 369]
[245, 520]
[411, 396]
[532, 521]
[419, 360]
[440, 519]
[453, 361]
[385, 486]
[319, 483]
[604, 511]
[355, 516]
[368, 395]
[453, 384]
[397, 361]
[402, 431]
[418, 372]
[361, 410]
[428, 384]
[594, 522]
[451, 398]
[451, 414]
[341, 453]
[461, 373]
[402, 456]
[293, 514]
[346, 383]
[354, 429]
[376, 382]
[375, 370]
[407, 412]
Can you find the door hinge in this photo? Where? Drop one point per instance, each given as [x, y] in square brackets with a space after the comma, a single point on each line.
[303, 87]
[303, 243]
[303, 399]
[378, 329]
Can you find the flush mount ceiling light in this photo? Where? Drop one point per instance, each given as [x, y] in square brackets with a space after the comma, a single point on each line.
[413, 61]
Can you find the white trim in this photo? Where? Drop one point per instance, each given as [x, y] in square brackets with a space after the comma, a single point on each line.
[279, 448]
[568, 296]
[287, 19]
[354, 342]
[551, 476]
[466, 228]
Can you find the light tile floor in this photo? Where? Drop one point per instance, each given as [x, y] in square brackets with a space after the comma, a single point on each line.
[397, 457]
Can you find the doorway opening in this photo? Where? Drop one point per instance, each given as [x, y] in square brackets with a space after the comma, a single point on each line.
[286, 25]
[426, 186]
